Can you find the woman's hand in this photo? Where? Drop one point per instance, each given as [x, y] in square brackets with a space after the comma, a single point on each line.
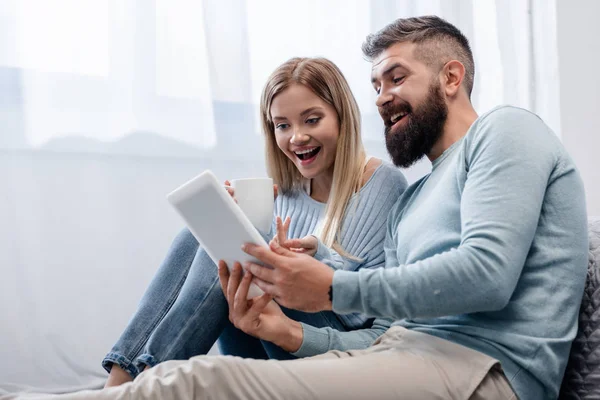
[306, 245]
[232, 192]
[260, 317]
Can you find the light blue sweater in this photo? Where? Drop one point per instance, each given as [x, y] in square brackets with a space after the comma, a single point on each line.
[488, 251]
[362, 235]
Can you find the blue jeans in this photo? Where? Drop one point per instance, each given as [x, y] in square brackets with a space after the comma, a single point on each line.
[183, 313]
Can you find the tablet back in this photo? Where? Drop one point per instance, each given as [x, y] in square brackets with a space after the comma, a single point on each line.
[216, 221]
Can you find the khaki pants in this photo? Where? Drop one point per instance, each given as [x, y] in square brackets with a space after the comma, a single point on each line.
[402, 364]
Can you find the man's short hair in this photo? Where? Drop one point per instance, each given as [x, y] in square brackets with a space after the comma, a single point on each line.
[438, 42]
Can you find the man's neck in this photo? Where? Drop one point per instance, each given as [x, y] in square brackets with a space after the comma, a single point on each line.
[457, 125]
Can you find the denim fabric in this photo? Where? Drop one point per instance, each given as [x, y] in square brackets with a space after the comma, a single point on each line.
[184, 311]
[181, 314]
[155, 304]
[234, 342]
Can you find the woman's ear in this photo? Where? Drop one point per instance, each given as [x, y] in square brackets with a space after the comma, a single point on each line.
[453, 74]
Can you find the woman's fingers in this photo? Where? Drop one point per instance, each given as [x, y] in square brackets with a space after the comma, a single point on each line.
[282, 229]
[302, 243]
[259, 303]
[230, 190]
[223, 276]
[308, 244]
[234, 282]
[281, 233]
[241, 295]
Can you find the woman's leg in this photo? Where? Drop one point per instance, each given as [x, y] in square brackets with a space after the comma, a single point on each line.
[195, 320]
[156, 302]
[234, 342]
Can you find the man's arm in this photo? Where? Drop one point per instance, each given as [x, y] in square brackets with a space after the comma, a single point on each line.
[509, 165]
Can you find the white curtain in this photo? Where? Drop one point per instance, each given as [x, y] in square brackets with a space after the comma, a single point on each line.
[107, 105]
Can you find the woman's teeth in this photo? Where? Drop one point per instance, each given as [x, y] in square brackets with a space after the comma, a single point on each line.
[308, 153]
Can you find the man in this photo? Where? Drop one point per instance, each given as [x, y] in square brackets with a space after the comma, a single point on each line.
[485, 256]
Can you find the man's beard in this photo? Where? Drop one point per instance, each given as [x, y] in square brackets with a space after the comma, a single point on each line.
[422, 129]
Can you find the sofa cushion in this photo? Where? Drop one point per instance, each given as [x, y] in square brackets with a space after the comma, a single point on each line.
[582, 376]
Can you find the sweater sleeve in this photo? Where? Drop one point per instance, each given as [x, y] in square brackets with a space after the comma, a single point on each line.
[321, 340]
[329, 256]
[508, 159]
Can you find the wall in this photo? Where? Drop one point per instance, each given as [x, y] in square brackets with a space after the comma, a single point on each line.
[578, 31]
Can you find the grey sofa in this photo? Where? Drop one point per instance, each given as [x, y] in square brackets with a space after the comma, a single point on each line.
[582, 376]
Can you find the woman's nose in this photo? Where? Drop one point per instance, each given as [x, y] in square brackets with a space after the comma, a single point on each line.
[299, 137]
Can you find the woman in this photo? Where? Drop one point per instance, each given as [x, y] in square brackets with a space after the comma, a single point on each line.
[327, 187]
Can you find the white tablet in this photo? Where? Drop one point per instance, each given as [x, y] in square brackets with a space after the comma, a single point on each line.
[216, 221]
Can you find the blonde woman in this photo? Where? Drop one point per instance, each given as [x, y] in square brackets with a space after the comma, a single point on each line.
[331, 195]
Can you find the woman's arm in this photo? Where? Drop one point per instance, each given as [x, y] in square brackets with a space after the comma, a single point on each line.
[261, 317]
[321, 340]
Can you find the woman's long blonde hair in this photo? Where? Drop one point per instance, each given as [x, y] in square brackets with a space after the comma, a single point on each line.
[326, 80]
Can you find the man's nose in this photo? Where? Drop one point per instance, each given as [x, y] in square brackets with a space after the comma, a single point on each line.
[383, 98]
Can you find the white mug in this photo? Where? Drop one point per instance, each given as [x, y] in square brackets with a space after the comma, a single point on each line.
[255, 198]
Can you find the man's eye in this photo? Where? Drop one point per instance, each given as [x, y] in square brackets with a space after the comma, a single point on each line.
[313, 120]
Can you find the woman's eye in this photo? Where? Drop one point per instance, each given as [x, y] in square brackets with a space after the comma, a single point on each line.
[313, 120]
[398, 80]
[281, 126]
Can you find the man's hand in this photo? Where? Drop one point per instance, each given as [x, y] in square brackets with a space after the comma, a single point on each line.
[260, 317]
[295, 280]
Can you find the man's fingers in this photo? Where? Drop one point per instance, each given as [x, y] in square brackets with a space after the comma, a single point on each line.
[264, 273]
[266, 287]
[263, 254]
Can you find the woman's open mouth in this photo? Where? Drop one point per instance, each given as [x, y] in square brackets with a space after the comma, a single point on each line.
[308, 155]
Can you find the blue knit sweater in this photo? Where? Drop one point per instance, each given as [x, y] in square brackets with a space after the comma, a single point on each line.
[488, 251]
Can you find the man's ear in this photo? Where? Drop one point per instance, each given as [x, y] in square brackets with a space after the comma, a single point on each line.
[452, 77]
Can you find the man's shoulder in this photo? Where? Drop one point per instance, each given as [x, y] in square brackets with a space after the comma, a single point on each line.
[512, 133]
[507, 111]
[508, 124]
[506, 118]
